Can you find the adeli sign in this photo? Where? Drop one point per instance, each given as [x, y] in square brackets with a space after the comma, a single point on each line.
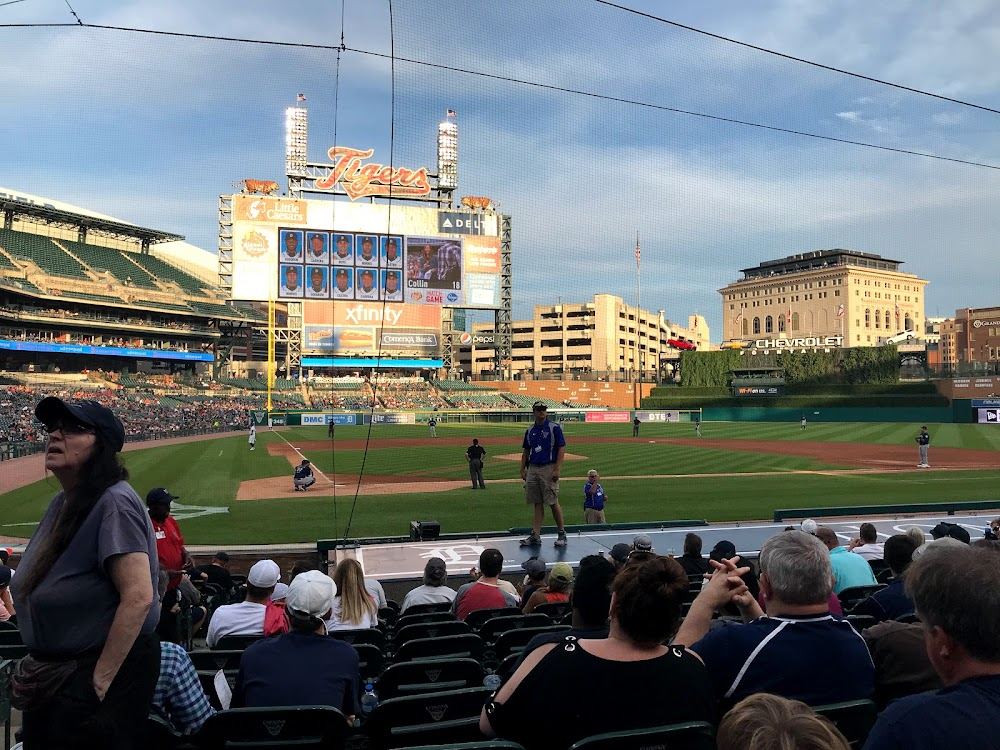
[361, 180]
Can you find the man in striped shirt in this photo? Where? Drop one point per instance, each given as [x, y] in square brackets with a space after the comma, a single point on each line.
[179, 697]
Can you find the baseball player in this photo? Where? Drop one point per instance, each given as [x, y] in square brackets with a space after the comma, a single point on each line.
[253, 435]
[923, 446]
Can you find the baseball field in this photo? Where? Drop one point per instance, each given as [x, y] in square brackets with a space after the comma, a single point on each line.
[736, 471]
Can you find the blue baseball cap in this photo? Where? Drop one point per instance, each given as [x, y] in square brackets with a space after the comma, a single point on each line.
[51, 410]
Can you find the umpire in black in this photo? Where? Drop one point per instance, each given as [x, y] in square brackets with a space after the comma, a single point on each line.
[474, 455]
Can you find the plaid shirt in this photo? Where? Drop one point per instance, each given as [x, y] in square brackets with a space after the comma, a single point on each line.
[179, 697]
[448, 257]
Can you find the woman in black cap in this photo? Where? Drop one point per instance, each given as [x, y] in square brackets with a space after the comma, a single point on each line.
[85, 592]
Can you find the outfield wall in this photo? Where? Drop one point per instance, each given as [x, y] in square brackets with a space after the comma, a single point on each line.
[920, 415]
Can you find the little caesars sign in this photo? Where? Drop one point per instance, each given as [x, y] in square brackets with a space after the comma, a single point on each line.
[809, 342]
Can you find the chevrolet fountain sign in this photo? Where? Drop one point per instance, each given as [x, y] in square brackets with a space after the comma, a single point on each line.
[809, 342]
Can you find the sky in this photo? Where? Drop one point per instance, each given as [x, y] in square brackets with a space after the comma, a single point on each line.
[152, 128]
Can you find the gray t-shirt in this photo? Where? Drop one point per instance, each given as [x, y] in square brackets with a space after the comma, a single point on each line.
[71, 610]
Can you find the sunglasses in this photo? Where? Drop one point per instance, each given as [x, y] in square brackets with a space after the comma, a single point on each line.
[69, 428]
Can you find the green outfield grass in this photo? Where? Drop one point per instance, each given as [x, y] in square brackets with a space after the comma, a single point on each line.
[208, 474]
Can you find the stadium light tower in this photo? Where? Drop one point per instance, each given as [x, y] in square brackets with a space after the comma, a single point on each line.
[296, 140]
[448, 154]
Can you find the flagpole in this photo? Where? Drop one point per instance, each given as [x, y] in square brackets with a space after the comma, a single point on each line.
[638, 320]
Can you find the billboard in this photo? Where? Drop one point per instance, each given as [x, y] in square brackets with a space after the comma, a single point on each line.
[608, 416]
[321, 252]
[989, 416]
[658, 416]
[363, 329]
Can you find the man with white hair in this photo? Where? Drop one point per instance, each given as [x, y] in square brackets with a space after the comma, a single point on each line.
[246, 617]
[956, 590]
[302, 667]
[788, 651]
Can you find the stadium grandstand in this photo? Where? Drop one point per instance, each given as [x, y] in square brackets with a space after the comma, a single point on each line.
[79, 290]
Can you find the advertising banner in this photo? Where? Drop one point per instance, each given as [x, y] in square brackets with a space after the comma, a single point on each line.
[361, 328]
[340, 419]
[313, 419]
[390, 418]
[608, 416]
[461, 222]
[977, 402]
[104, 351]
[989, 416]
[658, 416]
[759, 390]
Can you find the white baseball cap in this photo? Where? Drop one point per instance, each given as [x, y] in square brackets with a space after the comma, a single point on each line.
[264, 574]
[311, 594]
[808, 526]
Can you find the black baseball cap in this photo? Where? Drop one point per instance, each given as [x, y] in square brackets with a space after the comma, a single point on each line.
[539, 406]
[159, 495]
[51, 410]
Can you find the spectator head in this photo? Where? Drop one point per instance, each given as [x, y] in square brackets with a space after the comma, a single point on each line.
[158, 501]
[935, 544]
[298, 568]
[898, 552]
[591, 597]
[692, 545]
[646, 600]
[990, 544]
[491, 562]
[642, 543]
[592, 475]
[795, 569]
[868, 533]
[535, 569]
[561, 578]
[723, 550]
[435, 572]
[828, 536]
[808, 526]
[619, 554]
[355, 601]
[309, 600]
[261, 580]
[956, 592]
[5, 553]
[917, 535]
[305, 462]
[5, 576]
[953, 530]
[769, 722]
[221, 559]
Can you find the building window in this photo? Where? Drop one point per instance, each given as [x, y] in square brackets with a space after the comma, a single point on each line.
[746, 325]
[768, 325]
[781, 324]
[868, 318]
[878, 318]
[795, 321]
[887, 321]
[756, 325]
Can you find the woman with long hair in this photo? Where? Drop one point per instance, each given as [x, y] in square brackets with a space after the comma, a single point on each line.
[568, 678]
[353, 606]
[85, 592]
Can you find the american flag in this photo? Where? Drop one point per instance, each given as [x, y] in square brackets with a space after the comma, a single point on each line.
[638, 253]
[897, 311]
[738, 318]
[452, 113]
[300, 97]
[840, 311]
[788, 318]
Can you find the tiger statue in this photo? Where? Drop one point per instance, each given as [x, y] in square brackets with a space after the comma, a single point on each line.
[264, 187]
[477, 201]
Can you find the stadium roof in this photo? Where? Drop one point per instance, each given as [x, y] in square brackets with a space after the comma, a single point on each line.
[820, 259]
[49, 214]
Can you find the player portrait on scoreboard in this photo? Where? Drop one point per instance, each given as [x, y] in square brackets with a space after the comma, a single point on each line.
[317, 250]
[434, 263]
[392, 290]
[343, 288]
[291, 245]
[343, 254]
[365, 255]
[392, 252]
[366, 288]
[316, 286]
[291, 281]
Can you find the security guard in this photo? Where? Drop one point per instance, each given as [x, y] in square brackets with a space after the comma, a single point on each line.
[541, 461]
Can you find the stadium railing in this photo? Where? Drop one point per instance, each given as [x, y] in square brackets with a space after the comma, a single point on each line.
[886, 510]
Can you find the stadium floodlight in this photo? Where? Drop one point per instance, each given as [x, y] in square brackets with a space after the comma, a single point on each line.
[296, 140]
[447, 155]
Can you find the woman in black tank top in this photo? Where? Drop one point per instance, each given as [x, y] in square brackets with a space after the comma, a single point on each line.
[575, 689]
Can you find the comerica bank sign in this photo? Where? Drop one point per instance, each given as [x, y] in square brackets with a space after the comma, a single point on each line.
[809, 342]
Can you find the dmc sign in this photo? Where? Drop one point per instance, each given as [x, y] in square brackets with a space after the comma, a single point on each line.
[814, 341]
[981, 323]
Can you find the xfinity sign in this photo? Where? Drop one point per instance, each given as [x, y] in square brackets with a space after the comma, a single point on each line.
[459, 222]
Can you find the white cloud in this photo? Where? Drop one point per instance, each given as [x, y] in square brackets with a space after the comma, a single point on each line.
[850, 116]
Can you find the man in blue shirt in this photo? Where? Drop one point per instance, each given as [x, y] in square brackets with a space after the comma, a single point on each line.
[303, 667]
[849, 570]
[891, 602]
[956, 591]
[593, 498]
[787, 651]
[541, 461]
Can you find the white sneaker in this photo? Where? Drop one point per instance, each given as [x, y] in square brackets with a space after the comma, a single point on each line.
[561, 539]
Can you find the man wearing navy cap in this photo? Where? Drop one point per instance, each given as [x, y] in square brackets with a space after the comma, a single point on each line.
[174, 558]
[541, 461]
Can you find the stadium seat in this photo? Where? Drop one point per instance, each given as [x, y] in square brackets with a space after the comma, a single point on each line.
[14, 651]
[514, 641]
[693, 735]
[854, 719]
[432, 718]
[429, 630]
[388, 616]
[409, 619]
[908, 618]
[370, 658]
[236, 642]
[393, 605]
[275, 728]
[478, 616]
[365, 636]
[506, 667]
[422, 609]
[431, 675]
[468, 644]
[853, 596]
[161, 736]
[492, 629]
[860, 622]
[555, 610]
[878, 567]
[215, 659]
[6, 669]
[207, 679]
[485, 745]
[8, 625]
[10, 637]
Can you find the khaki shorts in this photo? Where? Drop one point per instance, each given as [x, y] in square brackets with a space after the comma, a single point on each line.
[539, 487]
[592, 515]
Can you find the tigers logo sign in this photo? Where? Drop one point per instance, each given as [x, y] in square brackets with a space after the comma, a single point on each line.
[361, 180]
